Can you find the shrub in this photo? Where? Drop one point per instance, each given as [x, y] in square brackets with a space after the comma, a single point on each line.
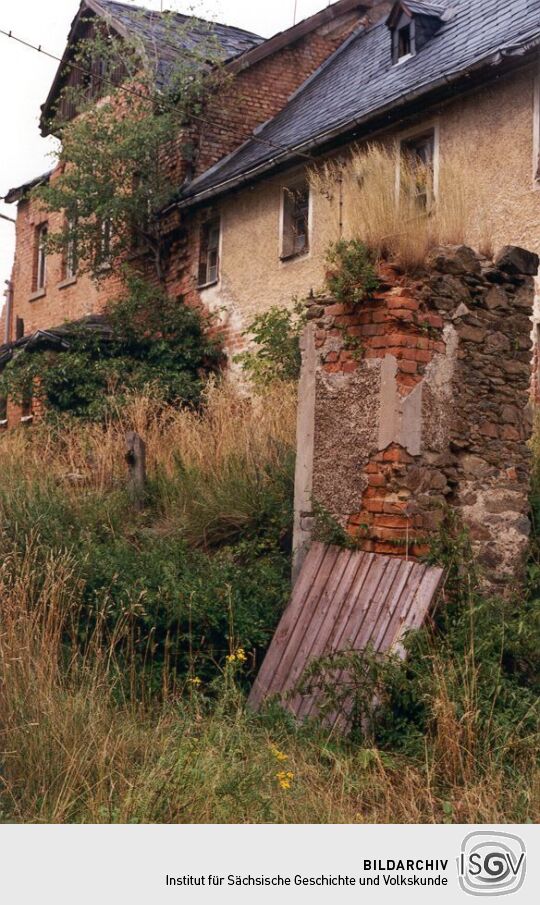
[155, 341]
[351, 276]
[277, 356]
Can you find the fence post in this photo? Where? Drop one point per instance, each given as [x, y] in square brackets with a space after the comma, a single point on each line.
[136, 460]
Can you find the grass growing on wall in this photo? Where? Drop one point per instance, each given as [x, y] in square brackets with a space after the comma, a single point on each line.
[128, 640]
[396, 207]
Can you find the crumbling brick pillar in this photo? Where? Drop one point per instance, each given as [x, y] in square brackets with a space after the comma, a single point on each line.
[418, 400]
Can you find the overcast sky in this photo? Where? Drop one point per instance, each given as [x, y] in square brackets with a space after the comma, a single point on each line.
[25, 77]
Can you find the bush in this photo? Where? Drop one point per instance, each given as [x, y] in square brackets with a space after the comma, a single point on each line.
[155, 342]
[277, 356]
[351, 276]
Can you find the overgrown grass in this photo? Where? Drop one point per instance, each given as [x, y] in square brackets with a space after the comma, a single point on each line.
[122, 688]
[397, 211]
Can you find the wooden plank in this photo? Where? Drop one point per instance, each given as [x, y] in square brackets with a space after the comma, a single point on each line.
[342, 601]
[316, 620]
[301, 590]
[302, 705]
[363, 637]
[335, 639]
[293, 625]
[386, 641]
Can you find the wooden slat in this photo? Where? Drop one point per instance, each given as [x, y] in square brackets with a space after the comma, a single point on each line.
[302, 589]
[351, 564]
[342, 601]
[276, 664]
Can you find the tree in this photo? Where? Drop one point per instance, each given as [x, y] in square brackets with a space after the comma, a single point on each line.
[119, 154]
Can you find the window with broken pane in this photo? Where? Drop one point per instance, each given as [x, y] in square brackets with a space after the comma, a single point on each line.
[209, 252]
[295, 220]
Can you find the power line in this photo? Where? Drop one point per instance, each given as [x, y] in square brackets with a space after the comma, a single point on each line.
[134, 93]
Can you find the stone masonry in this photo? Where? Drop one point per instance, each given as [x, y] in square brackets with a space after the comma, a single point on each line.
[418, 400]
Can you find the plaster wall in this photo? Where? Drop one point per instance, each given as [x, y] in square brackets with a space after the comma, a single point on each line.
[494, 130]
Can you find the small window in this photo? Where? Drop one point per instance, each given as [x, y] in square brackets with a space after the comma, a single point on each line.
[71, 263]
[209, 252]
[419, 153]
[295, 220]
[97, 79]
[27, 406]
[404, 40]
[105, 239]
[40, 277]
[19, 328]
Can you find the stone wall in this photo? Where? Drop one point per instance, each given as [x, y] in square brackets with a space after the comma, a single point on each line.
[418, 399]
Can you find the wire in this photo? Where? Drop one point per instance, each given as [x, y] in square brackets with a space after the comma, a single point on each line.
[132, 91]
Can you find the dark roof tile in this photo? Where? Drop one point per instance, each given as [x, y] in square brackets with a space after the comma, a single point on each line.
[163, 35]
[361, 79]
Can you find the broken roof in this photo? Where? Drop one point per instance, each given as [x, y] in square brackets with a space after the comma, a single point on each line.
[163, 36]
[17, 193]
[360, 82]
[57, 339]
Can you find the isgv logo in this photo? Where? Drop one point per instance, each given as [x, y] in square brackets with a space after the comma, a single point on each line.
[492, 864]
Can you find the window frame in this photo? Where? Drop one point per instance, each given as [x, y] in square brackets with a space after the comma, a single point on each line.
[536, 133]
[40, 277]
[208, 274]
[416, 135]
[405, 24]
[71, 257]
[290, 214]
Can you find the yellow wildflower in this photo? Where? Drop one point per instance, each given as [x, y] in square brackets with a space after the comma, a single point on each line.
[285, 779]
[279, 755]
[239, 656]
[194, 680]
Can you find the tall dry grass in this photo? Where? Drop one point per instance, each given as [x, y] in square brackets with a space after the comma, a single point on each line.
[92, 455]
[380, 194]
[92, 732]
[208, 470]
[78, 745]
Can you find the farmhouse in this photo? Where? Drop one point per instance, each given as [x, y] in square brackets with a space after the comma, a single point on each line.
[451, 85]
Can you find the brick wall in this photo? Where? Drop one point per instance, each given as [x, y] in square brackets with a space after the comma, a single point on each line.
[420, 401]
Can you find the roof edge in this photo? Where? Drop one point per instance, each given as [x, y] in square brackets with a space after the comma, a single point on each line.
[289, 35]
[20, 191]
[494, 59]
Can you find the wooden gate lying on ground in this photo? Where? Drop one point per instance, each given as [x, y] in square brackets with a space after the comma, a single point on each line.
[343, 601]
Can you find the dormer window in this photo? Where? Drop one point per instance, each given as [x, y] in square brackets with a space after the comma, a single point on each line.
[412, 23]
[404, 42]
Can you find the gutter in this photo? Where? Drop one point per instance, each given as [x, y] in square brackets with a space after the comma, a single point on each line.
[493, 59]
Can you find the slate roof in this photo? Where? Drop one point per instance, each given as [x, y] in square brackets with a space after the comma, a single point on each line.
[359, 82]
[58, 339]
[164, 35]
[20, 191]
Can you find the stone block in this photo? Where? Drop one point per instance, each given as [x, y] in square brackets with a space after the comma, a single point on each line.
[515, 260]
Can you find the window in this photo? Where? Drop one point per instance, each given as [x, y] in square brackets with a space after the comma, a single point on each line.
[419, 154]
[295, 220]
[105, 238]
[209, 252]
[536, 133]
[26, 406]
[40, 277]
[403, 39]
[97, 79]
[19, 328]
[71, 262]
